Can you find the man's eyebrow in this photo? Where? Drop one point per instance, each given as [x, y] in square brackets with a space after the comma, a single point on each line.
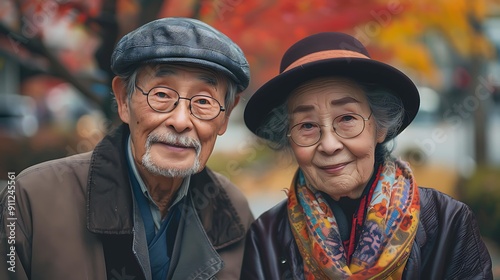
[209, 79]
[164, 71]
[335, 102]
[205, 77]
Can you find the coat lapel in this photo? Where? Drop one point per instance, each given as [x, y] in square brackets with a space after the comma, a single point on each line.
[193, 257]
[215, 210]
[109, 198]
[212, 222]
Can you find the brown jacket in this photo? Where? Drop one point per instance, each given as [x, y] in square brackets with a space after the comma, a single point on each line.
[73, 218]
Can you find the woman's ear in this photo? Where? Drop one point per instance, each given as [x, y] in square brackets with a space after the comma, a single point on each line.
[122, 100]
[381, 135]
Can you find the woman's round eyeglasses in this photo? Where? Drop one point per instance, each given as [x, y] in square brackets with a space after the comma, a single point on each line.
[163, 99]
[347, 126]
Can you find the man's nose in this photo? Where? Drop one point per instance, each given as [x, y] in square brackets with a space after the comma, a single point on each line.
[180, 118]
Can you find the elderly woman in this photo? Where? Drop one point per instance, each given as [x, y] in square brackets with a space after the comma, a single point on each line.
[353, 211]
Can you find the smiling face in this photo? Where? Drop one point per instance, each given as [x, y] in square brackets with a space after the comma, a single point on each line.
[173, 144]
[337, 166]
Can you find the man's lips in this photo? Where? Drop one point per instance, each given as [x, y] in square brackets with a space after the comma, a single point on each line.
[175, 146]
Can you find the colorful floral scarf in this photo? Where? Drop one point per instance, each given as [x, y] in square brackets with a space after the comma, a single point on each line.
[386, 236]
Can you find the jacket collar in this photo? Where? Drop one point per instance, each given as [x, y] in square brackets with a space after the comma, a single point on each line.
[109, 198]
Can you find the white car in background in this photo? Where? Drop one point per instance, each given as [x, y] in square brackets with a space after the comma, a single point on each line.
[446, 138]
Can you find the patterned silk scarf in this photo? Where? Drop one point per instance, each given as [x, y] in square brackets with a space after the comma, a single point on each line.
[385, 239]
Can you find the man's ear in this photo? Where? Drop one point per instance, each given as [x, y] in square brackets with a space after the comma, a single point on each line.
[236, 101]
[223, 128]
[122, 99]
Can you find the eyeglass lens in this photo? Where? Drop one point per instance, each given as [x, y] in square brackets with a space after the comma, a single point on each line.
[345, 126]
[163, 99]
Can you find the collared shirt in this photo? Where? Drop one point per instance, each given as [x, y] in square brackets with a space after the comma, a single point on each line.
[155, 210]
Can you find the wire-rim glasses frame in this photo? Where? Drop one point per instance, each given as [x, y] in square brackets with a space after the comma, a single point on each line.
[209, 108]
[315, 135]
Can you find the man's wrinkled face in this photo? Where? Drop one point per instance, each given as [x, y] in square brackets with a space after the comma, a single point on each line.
[173, 144]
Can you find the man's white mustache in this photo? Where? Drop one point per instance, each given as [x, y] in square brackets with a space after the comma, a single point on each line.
[173, 139]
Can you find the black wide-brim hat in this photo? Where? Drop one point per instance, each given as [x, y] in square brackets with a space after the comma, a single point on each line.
[329, 54]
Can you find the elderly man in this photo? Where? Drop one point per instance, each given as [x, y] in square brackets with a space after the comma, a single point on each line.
[142, 205]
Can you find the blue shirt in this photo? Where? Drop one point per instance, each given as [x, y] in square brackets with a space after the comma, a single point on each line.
[160, 233]
[155, 210]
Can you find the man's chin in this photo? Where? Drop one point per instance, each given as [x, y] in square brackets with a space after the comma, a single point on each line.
[171, 170]
[170, 167]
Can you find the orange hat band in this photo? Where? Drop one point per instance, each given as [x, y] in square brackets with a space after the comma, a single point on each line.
[325, 55]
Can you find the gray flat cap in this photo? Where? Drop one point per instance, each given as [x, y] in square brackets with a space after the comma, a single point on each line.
[178, 39]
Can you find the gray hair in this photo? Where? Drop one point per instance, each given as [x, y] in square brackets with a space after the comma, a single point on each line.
[232, 87]
[388, 112]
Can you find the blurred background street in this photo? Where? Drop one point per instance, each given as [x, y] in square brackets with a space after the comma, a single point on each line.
[55, 80]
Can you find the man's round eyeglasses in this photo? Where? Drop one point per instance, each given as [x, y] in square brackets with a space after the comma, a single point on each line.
[163, 99]
[347, 126]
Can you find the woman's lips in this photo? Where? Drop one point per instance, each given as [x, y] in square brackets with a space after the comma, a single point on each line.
[335, 168]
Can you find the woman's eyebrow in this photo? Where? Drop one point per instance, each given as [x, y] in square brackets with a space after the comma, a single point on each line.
[335, 102]
[344, 100]
[302, 109]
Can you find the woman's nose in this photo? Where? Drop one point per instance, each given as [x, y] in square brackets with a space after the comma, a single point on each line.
[329, 142]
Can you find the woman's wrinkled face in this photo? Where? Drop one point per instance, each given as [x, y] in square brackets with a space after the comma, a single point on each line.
[338, 166]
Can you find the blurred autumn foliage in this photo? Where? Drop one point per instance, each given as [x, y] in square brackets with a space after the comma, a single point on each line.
[70, 41]
[393, 30]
